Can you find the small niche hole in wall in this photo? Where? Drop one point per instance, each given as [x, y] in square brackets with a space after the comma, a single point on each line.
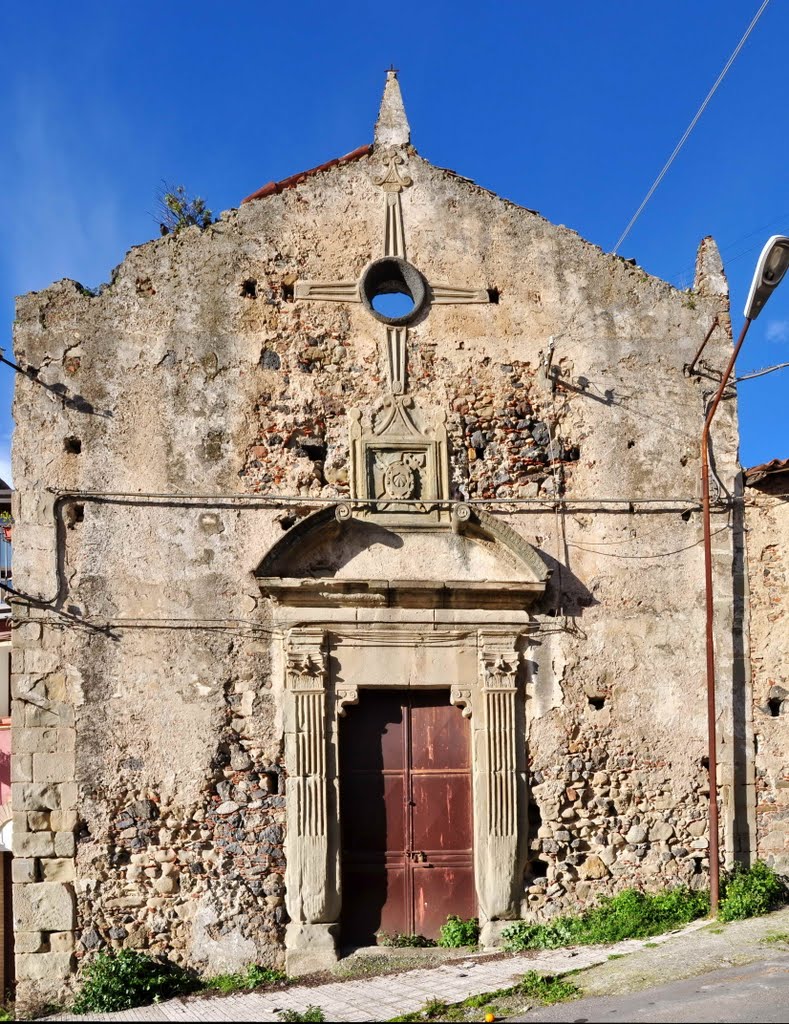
[315, 452]
[287, 289]
[249, 288]
[270, 782]
[73, 445]
[493, 296]
[774, 706]
[598, 703]
[631, 444]
[75, 514]
[686, 514]
[537, 868]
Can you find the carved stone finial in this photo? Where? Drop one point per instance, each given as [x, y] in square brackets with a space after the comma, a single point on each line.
[392, 128]
[393, 179]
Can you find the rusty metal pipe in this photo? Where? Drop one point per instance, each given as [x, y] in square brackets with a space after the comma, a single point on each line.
[691, 366]
[712, 739]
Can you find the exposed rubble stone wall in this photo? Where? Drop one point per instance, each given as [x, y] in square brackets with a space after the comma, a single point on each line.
[150, 786]
[767, 520]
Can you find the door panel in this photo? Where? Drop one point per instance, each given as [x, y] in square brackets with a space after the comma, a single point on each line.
[406, 814]
[380, 828]
[439, 733]
[439, 892]
[442, 813]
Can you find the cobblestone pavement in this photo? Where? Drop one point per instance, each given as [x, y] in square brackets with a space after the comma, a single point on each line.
[381, 998]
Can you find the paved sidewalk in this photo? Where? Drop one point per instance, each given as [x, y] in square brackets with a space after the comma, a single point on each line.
[380, 999]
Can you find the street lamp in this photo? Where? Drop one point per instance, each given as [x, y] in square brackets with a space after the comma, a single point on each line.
[772, 266]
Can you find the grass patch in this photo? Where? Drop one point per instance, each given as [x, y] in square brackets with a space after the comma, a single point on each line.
[543, 988]
[781, 938]
[547, 989]
[312, 1013]
[628, 915]
[252, 977]
[651, 945]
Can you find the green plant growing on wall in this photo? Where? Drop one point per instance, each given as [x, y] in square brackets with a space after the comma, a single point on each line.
[177, 209]
[628, 915]
[457, 932]
[121, 981]
[749, 892]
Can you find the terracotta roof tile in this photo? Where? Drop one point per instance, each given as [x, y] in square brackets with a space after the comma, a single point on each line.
[757, 474]
[273, 187]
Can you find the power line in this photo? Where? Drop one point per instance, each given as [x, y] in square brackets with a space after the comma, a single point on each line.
[690, 267]
[691, 126]
[760, 373]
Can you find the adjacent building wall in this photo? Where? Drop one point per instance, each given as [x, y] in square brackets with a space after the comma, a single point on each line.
[767, 522]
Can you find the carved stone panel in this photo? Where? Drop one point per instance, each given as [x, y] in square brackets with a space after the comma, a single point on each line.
[399, 471]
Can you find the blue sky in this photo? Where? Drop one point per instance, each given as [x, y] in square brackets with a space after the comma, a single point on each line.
[569, 109]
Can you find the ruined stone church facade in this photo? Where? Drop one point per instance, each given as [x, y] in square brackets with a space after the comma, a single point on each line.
[319, 600]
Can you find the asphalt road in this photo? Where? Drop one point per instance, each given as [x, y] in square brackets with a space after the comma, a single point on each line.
[755, 994]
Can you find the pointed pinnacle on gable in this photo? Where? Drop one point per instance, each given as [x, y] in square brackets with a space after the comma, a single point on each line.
[392, 127]
[710, 278]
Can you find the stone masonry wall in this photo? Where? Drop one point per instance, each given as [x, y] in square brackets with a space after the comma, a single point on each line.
[149, 782]
[767, 520]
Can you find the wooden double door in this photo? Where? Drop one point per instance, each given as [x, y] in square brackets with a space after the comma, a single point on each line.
[406, 814]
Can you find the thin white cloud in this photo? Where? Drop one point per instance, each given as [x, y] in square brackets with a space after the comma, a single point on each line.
[777, 330]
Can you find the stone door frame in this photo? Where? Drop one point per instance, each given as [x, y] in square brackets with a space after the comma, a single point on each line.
[325, 666]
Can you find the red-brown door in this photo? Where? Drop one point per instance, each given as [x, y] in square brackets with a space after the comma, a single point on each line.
[405, 807]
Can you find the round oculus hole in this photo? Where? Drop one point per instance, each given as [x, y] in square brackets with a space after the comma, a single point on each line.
[393, 305]
[393, 291]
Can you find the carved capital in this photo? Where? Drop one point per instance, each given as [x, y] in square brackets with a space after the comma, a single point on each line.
[305, 660]
[499, 669]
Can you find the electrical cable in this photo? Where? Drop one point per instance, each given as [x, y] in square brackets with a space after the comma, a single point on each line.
[760, 373]
[691, 126]
[689, 269]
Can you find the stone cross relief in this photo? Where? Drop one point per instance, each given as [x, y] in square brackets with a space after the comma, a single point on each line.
[397, 471]
[391, 273]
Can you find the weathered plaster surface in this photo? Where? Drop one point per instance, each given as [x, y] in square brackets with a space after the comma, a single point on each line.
[148, 720]
[767, 520]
